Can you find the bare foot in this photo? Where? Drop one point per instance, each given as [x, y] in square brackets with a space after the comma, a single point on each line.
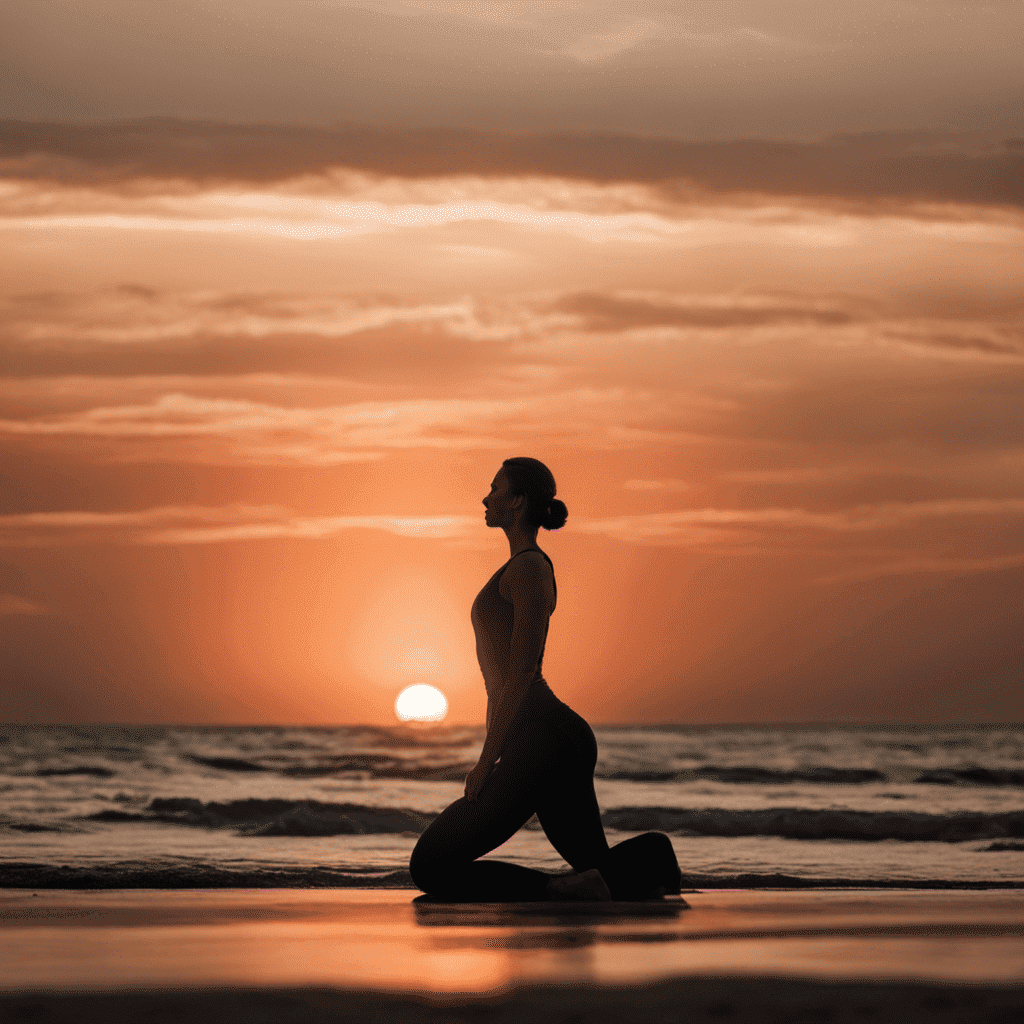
[587, 885]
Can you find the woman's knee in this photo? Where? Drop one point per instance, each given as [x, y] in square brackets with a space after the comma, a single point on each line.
[434, 862]
[425, 865]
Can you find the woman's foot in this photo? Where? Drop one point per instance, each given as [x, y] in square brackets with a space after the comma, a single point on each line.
[587, 885]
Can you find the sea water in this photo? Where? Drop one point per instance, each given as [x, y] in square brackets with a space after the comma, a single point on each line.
[98, 806]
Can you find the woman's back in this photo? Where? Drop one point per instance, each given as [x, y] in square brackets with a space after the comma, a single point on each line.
[493, 618]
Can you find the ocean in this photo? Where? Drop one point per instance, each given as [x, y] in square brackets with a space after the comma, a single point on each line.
[171, 807]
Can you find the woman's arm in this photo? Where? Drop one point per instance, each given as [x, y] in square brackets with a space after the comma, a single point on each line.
[532, 593]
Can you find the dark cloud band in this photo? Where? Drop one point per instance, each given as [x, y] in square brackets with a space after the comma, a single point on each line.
[908, 166]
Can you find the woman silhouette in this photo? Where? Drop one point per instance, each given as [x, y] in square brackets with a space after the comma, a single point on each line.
[538, 756]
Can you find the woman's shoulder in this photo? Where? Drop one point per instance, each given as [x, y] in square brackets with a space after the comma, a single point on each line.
[530, 557]
[528, 569]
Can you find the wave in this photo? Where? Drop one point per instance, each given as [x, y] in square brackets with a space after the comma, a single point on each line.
[385, 766]
[281, 817]
[779, 881]
[375, 766]
[255, 817]
[229, 764]
[972, 776]
[800, 823]
[751, 775]
[134, 875]
[13, 825]
[754, 775]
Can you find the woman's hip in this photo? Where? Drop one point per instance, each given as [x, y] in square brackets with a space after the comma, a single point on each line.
[548, 730]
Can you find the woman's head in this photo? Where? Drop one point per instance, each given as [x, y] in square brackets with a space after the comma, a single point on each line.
[533, 480]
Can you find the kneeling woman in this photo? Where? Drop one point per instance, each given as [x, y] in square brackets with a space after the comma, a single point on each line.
[539, 755]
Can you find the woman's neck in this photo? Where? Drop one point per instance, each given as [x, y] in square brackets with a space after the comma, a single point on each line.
[521, 539]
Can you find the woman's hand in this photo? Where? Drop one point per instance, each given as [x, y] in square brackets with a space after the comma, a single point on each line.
[476, 778]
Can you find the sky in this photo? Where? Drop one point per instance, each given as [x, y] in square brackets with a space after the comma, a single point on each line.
[282, 283]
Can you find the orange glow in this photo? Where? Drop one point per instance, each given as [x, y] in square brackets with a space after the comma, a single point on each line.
[259, 369]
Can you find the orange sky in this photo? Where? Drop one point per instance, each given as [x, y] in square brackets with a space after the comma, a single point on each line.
[281, 285]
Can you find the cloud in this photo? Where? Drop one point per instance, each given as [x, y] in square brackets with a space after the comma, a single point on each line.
[923, 565]
[811, 474]
[631, 311]
[656, 485]
[963, 341]
[687, 528]
[695, 527]
[132, 331]
[944, 167]
[131, 313]
[318, 218]
[500, 12]
[12, 604]
[209, 430]
[602, 46]
[232, 429]
[235, 378]
[197, 525]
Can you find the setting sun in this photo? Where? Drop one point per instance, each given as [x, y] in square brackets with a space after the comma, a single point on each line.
[421, 703]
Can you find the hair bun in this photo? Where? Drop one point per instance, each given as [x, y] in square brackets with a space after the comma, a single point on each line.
[555, 515]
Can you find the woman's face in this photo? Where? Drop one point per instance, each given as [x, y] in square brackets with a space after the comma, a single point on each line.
[499, 503]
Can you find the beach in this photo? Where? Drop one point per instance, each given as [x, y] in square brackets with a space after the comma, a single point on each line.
[261, 874]
[363, 954]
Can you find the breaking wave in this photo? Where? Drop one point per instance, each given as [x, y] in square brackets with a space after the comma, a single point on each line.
[280, 817]
[95, 771]
[751, 775]
[383, 766]
[257, 817]
[374, 766]
[135, 875]
[972, 776]
[801, 823]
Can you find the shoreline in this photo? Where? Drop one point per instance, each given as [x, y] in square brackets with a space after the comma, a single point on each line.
[19, 875]
[382, 938]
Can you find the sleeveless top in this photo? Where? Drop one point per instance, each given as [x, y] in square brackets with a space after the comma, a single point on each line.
[492, 618]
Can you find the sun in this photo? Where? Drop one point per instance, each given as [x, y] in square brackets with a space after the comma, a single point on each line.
[421, 703]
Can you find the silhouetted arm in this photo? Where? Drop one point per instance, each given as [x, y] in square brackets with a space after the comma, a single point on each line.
[532, 593]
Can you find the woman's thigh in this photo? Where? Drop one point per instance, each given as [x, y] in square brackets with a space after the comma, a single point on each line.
[560, 767]
[546, 768]
[571, 819]
[468, 829]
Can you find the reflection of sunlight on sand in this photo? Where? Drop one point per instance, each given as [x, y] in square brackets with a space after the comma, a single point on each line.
[465, 971]
[379, 939]
[273, 954]
[925, 958]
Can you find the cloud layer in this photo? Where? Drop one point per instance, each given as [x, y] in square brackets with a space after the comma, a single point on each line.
[259, 375]
[791, 69]
[980, 168]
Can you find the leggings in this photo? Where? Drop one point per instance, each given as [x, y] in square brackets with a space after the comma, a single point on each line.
[546, 768]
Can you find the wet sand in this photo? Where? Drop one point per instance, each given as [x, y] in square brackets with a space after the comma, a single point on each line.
[374, 955]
